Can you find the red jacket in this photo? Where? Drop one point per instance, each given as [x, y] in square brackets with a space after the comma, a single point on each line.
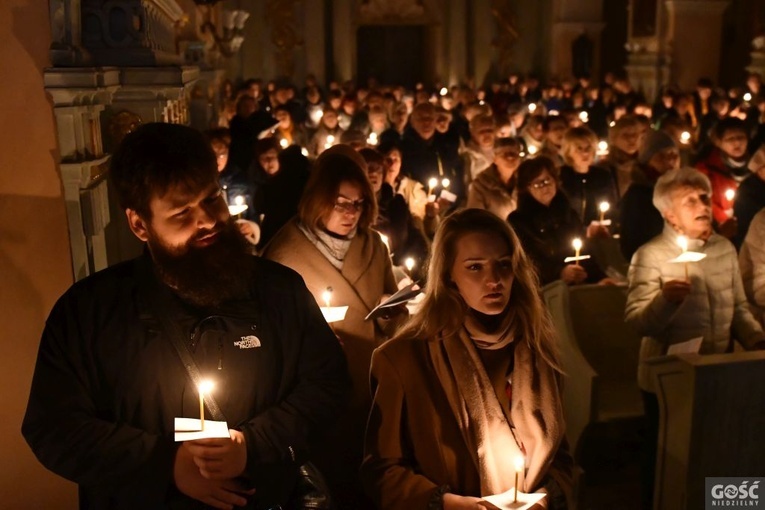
[721, 178]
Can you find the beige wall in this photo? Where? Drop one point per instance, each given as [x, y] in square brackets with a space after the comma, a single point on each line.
[35, 264]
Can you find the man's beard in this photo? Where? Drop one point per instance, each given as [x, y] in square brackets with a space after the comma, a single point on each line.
[208, 276]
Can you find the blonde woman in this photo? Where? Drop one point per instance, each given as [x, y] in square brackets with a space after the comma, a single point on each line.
[585, 185]
[471, 384]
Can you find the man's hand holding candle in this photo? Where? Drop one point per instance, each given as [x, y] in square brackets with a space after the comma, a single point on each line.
[219, 458]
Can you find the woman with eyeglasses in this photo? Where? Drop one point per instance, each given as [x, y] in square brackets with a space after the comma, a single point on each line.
[494, 189]
[332, 246]
[547, 225]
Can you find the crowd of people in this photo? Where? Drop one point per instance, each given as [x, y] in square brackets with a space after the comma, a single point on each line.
[352, 192]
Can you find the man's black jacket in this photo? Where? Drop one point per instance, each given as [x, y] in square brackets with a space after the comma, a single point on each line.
[108, 384]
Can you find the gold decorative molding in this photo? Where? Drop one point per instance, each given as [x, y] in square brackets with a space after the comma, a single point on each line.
[280, 15]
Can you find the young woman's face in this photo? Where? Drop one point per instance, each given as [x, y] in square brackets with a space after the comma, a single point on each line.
[392, 167]
[543, 188]
[483, 272]
[582, 153]
[346, 211]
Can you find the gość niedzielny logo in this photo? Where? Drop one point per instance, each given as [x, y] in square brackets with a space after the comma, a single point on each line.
[733, 492]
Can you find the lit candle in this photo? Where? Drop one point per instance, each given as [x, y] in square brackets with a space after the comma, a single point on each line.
[730, 194]
[239, 200]
[611, 124]
[533, 150]
[584, 117]
[443, 91]
[577, 247]
[519, 464]
[409, 264]
[685, 137]
[304, 152]
[604, 207]
[330, 139]
[327, 297]
[682, 241]
[747, 97]
[284, 143]
[603, 147]
[445, 182]
[432, 183]
[204, 387]
[372, 138]
[532, 107]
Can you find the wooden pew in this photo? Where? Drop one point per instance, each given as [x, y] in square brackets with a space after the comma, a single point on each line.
[599, 353]
[711, 423]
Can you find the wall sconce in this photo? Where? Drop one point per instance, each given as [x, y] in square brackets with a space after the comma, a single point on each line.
[233, 30]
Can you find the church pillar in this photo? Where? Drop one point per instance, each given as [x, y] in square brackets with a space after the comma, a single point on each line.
[573, 19]
[694, 28]
[314, 37]
[344, 39]
[457, 41]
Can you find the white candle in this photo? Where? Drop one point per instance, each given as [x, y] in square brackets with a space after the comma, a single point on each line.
[519, 463]
[327, 297]
[577, 247]
[604, 207]
[204, 387]
[682, 241]
[432, 183]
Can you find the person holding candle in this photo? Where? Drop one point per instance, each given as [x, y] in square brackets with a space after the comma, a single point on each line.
[327, 134]
[331, 243]
[109, 382]
[585, 185]
[478, 361]
[546, 225]
[750, 195]
[494, 189]
[726, 168]
[667, 308]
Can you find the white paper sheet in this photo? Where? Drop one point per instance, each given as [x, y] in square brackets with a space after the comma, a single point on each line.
[235, 209]
[334, 313]
[691, 346]
[574, 259]
[448, 195]
[688, 256]
[188, 429]
[504, 501]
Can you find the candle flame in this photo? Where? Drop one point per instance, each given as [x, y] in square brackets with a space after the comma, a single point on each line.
[604, 207]
[327, 296]
[284, 143]
[519, 463]
[445, 182]
[532, 107]
[685, 137]
[330, 139]
[239, 200]
[409, 263]
[577, 244]
[533, 149]
[584, 117]
[730, 194]
[602, 146]
[747, 97]
[206, 386]
[433, 182]
[443, 91]
[682, 242]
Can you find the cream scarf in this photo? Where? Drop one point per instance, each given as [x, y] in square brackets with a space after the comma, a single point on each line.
[333, 248]
[536, 411]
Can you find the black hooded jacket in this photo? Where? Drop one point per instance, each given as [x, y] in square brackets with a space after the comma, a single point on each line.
[108, 384]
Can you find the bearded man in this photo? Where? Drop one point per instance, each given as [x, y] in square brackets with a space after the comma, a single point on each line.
[109, 379]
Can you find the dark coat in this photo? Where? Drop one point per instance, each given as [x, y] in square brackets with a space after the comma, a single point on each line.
[586, 191]
[236, 183]
[639, 220]
[395, 221]
[108, 384]
[420, 161]
[546, 234]
[750, 199]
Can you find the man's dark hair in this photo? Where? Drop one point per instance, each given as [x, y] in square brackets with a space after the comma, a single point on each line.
[729, 124]
[156, 157]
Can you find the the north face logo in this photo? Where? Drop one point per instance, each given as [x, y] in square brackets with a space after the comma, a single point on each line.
[248, 342]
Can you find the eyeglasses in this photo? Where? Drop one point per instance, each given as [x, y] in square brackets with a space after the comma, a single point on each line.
[542, 184]
[349, 207]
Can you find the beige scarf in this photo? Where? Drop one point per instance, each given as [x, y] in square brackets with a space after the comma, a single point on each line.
[536, 413]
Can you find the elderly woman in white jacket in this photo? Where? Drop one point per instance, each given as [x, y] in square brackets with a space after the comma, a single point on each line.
[667, 307]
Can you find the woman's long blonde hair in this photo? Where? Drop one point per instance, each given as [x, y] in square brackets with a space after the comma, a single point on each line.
[443, 310]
